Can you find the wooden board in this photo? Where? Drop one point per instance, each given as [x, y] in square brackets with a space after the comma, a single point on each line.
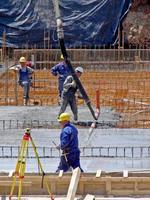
[73, 184]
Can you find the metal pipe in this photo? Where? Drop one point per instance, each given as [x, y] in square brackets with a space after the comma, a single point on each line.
[60, 35]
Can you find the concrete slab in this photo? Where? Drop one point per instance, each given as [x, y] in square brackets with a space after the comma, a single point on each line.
[100, 138]
[50, 112]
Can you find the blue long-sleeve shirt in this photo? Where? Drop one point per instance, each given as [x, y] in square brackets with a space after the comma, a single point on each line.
[60, 69]
[69, 139]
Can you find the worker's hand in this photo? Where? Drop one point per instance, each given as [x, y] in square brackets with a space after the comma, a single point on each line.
[79, 97]
[20, 83]
[14, 68]
[73, 84]
[58, 147]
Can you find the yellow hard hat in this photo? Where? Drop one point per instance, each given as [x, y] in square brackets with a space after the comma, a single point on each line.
[22, 60]
[62, 57]
[64, 117]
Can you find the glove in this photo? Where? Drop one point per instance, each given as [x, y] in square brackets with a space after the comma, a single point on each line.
[58, 147]
[73, 84]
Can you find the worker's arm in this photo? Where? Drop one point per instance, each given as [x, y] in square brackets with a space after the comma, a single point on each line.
[15, 68]
[65, 138]
[79, 95]
[69, 82]
[31, 71]
[55, 69]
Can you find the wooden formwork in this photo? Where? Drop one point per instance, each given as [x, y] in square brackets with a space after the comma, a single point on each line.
[99, 184]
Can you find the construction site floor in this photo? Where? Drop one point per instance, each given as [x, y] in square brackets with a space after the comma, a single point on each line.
[105, 136]
[64, 198]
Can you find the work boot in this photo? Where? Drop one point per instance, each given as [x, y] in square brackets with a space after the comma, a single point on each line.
[75, 121]
[75, 118]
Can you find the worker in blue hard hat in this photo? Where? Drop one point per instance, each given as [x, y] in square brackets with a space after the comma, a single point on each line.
[61, 70]
[68, 144]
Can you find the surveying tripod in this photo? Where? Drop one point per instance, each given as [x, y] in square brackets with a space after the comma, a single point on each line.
[21, 165]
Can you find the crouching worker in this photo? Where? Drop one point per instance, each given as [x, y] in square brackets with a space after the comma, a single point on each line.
[70, 157]
[24, 77]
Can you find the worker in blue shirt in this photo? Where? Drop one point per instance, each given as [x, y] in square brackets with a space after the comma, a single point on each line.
[68, 144]
[24, 77]
[62, 71]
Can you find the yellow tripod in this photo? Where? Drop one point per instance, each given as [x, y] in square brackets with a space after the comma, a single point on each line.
[21, 165]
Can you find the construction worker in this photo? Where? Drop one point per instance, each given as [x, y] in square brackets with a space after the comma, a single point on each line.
[68, 94]
[62, 71]
[24, 77]
[68, 144]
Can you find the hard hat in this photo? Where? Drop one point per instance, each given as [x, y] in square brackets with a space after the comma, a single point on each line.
[62, 57]
[79, 69]
[64, 117]
[22, 60]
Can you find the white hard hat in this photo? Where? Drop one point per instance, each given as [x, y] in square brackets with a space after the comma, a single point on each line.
[79, 69]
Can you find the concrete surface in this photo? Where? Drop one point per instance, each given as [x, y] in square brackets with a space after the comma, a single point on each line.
[106, 137]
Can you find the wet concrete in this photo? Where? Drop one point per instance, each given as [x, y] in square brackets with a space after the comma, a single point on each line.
[50, 113]
[105, 137]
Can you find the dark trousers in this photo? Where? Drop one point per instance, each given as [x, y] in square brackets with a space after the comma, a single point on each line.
[26, 89]
[60, 86]
[71, 100]
[68, 161]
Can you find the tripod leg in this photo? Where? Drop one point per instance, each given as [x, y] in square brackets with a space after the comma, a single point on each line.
[41, 168]
[21, 179]
[48, 189]
[36, 154]
[20, 156]
[22, 169]
[12, 187]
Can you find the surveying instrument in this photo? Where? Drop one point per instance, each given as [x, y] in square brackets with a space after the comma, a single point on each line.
[21, 165]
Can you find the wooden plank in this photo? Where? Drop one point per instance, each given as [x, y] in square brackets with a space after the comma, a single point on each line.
[125, 173]
[98, 173]
[73, 184]
[11, 173]
[89, 197]
[60, 173]
[8, 183]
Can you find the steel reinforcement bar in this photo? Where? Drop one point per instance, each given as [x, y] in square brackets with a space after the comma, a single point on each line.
[102, 124]
[52, 152]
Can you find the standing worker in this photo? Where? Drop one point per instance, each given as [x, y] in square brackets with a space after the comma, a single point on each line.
[68, 94]
[62, 71]
[68, 144]
[24, 77]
